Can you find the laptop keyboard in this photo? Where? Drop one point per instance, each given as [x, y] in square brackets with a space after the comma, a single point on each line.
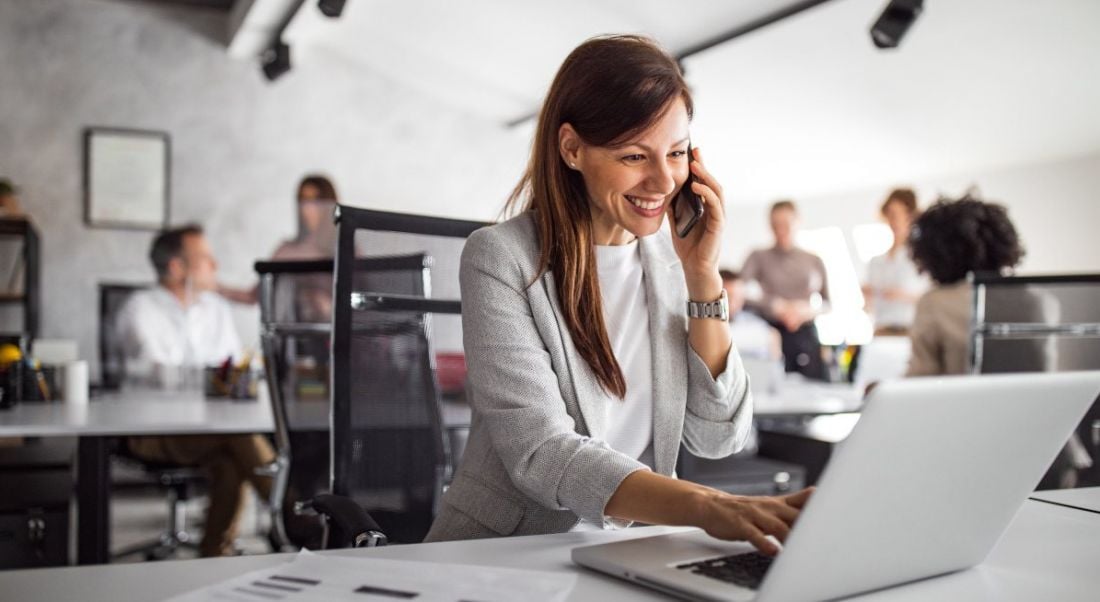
[746, 570]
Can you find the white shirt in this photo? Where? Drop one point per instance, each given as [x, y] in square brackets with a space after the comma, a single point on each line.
[628, 422]
[154, 328]
[885, 272]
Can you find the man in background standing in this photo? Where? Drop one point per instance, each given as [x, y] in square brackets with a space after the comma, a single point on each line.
[794, 291]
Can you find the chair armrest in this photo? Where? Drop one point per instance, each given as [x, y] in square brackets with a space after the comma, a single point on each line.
[360, 529]
[268, 470]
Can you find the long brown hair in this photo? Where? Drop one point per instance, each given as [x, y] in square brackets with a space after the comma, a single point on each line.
[610, 89]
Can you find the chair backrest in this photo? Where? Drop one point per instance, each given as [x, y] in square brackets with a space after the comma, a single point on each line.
[112, 359]
[1036, 323]
[295, 319]
[389, 450]
[296, 314]
[1043, 324]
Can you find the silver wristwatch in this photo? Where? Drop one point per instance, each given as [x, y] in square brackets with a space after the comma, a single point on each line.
[714, 309]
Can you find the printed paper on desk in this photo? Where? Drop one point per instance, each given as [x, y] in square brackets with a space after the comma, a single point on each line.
[312, 577]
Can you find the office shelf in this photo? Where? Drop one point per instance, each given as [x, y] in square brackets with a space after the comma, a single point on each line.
[30, 295]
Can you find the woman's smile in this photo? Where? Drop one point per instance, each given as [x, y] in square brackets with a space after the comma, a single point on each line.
[646, 206]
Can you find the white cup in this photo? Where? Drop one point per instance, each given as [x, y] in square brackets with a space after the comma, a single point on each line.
[75, 383]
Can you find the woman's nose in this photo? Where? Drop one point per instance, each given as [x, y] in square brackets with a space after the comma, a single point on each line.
[662, 178]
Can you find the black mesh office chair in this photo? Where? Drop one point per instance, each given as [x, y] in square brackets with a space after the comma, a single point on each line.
[177, 482]
[295, 316]
[1043, 324]
[389, 449]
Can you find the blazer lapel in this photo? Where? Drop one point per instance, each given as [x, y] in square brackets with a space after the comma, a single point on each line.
[667, 336]
[591, 397]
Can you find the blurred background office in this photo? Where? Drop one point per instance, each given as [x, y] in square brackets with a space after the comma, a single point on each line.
[265, 108]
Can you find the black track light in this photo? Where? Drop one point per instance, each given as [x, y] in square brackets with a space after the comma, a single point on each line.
[276, 60]
[331, 8]
[892, 24]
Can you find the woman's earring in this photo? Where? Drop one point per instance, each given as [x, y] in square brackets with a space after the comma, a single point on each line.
[573, 165]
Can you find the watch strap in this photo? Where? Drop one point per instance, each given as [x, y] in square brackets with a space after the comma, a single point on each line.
[718, 309]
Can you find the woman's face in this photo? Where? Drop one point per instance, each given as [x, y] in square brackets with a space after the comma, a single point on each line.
[630, 186]
[311, 207]
[899, 219]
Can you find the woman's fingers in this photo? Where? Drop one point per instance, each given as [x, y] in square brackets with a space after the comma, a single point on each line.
[713, 201]
[769, 524]
[760, 541]
[706, 193]
[798, 500]
[785, 513]
[701, 172]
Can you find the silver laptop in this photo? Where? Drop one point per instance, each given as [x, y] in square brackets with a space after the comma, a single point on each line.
[929, 479]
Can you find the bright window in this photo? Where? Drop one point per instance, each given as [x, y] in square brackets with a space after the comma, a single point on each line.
[845, 322]
[871, 240]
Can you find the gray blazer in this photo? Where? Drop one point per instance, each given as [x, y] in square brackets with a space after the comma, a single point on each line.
[534, 462]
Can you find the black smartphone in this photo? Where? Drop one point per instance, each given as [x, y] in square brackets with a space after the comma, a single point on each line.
[687, 207]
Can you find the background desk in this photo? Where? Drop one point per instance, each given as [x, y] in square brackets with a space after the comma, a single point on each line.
[125, 414]
[798, 397]
[1085, 498]
[1049, 552]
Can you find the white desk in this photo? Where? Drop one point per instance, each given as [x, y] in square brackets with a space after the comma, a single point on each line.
[1085, 498]
[123, 414]
[1048, 553]
[796, 397]
[138, 413]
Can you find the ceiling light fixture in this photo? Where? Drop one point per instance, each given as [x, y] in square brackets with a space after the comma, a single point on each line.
[331, 8]
[276, 60]
[895, 21]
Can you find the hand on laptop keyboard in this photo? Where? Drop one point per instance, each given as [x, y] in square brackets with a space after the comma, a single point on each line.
[752, 518]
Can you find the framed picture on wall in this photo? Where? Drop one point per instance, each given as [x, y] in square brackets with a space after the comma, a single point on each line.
[126, 178]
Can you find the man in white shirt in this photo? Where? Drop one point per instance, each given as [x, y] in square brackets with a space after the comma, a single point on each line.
[178, 325]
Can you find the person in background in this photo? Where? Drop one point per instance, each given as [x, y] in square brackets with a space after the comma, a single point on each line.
[893, 282]
[316, 239]
[795, 290]
[951, 239]
[181, 324]
[753, 337]
[9, 201]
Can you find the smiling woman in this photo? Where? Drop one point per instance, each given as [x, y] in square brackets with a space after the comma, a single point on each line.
[585, 372]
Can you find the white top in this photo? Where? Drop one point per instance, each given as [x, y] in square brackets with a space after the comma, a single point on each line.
[886, 272]
[752, 335]
[154, 328]
[629, 422]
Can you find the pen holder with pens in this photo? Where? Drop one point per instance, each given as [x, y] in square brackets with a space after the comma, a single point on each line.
[11, 384]
[22, 381]
[229, 381]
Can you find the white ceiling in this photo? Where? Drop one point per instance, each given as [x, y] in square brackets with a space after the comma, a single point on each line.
[800, 108]
[497, 57]
[810, 107]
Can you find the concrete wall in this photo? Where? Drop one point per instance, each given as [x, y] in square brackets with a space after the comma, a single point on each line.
[239, 143]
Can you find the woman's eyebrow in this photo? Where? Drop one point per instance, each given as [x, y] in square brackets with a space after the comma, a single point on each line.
[648, 149]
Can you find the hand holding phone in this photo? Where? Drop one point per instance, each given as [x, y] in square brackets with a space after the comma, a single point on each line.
[687, 207]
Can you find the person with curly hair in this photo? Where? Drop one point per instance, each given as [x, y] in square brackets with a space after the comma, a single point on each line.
[951, 239]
